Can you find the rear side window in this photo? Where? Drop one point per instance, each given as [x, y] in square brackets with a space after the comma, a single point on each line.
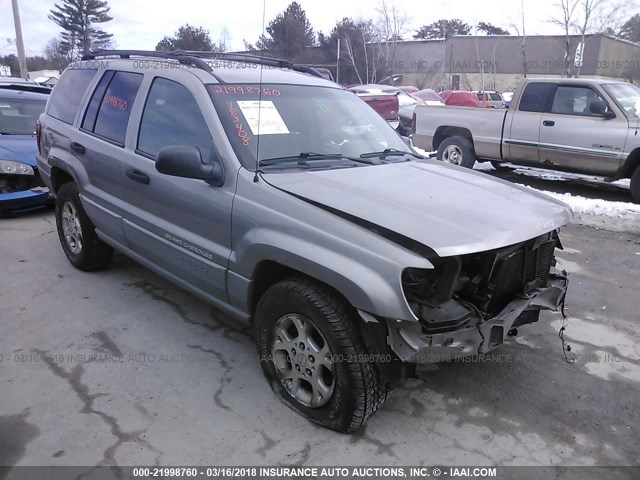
[172, 117]
[115, 107]
[495, 97]
[67, 94]
[536, 97]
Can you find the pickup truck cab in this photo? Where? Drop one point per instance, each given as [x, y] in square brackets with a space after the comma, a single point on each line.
[576, 125]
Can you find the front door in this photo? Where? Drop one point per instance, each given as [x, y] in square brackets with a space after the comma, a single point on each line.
[573, 138]
[179, 224]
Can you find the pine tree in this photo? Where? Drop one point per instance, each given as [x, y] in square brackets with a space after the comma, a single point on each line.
[78, 19]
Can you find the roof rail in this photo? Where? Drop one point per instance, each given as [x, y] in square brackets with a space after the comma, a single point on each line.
[197, 59]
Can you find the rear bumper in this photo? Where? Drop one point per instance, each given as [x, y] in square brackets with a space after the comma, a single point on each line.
[411, 344]
[26, 200]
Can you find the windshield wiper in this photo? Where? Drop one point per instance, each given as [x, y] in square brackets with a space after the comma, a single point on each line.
[389, 152]
[306, 157]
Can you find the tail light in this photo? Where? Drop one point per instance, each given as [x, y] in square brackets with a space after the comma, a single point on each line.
[38, 135]
[413, 123]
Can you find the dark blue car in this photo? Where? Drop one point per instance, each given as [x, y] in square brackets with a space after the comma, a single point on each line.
[21, 188]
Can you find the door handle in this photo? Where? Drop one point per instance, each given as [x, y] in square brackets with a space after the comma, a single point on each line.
[138, 176]
[77, 147]
[548, 123]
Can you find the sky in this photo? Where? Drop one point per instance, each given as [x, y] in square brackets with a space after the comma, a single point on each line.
[141, 24]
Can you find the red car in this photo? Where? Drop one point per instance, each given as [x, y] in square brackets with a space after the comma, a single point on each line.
[383, 99]
[459, 98]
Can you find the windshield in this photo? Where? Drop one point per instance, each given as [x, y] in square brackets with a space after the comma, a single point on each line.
[296, 119]
[18, 116]
[627, 96]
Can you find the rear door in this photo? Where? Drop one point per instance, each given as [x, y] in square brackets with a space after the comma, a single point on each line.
[571, 137]
[100, 145]
[523, 133]
[181, 225]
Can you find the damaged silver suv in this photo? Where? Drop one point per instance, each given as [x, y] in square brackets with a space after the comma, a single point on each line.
[287, 202]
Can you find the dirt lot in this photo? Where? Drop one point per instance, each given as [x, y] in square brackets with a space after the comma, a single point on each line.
[120, 367]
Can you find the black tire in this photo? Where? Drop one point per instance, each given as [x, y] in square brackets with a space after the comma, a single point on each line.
[452, 148]
[500, 166]
[89, 253]
[635, 185]
[357, 390]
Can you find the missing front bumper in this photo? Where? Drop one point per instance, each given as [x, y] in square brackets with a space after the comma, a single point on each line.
[410, 342]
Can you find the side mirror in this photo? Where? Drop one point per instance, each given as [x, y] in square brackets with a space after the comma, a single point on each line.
[598, 107]
[186, 161]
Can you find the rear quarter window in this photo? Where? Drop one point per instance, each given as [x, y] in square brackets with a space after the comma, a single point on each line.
[115, 106]
[537, 97]
[68, 93]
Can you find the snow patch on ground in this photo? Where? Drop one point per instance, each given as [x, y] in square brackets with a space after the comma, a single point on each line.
[616, 216]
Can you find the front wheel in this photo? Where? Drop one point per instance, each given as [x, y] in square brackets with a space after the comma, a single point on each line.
[77, 233]
[457, 151]
[635, 185]
[313, 356]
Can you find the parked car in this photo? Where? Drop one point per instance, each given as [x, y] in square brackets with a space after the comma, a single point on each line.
[330, 236]
[21, 188]
[489, 99]
[507, 96]
[406, 103]
[383, 99]
[408, 88]
[459, 98]
[324, 72]
[17, 83]
[384, 104]
[576, 125]
[429, 97]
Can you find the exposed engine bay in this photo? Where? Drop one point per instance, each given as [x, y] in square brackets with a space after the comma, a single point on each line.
[486, 293]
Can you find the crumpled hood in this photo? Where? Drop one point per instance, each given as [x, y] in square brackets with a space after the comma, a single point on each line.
[19, 148]
[449, 209]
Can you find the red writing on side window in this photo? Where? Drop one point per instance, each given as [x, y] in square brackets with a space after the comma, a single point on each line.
[119, 103]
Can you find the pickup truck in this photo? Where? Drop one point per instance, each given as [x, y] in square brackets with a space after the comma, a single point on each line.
[385, 102]
[576, 125]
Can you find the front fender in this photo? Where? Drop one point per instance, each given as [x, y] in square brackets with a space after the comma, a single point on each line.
[374, 287]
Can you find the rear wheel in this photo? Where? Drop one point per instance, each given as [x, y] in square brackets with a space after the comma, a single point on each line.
[77, 233]
[457, 151]
[635, 185]
[313, 356]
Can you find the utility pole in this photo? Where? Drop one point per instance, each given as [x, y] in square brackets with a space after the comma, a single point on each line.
[338, 63]
[22, 61]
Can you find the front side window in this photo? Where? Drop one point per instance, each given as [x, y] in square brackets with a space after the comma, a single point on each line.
[274, 121]
[536, 96]
[67, 94]
[570, 100]
[172, 117]
[115, 107]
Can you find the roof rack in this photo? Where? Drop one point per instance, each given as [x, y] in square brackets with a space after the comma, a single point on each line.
[197, 59]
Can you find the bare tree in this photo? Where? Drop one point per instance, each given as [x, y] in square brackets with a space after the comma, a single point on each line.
[596, 16]
[349, 51]
[566, 20]
[225, 38]
[391, 26]
[519, 25]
